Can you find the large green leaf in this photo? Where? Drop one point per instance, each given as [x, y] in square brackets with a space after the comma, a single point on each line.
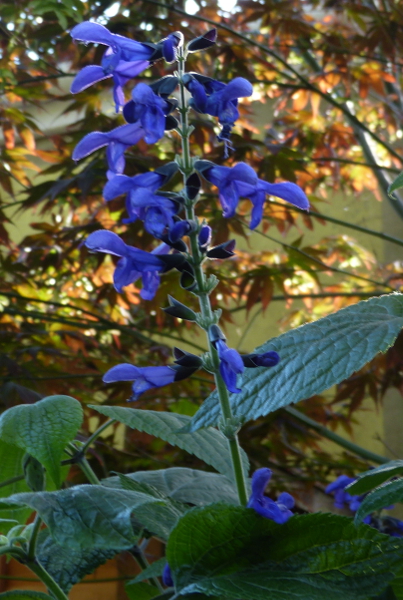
[209, 445]
[43, 429]
[11, 466]
[381, 497]
[185, 485]
[233, 552]
[90, 516]
[155, 569]
[312, 359]
[371, 479]
[68, 566]
[141, 591]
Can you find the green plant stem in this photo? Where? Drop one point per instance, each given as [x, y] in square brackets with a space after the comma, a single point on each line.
[78, 458]
[203, 295]
[50, 583]
[312, 213]
[34, 536]
[96, 434]
[88, 472]
[11, 480]
[340, 441]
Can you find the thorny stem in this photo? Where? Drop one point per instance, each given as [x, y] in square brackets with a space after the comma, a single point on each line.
[202, 293]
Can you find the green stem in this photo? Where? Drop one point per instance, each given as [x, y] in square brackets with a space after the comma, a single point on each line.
[50, 583]
[203, 295]
[78, 458]
[312, 213]
[11, 480]
[88, 472]
[340, 441]
[34, 536]
[96, 434]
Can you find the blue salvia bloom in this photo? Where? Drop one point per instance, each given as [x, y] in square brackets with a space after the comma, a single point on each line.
[123, 60]
[279, 511]
[144, 378]
[266, 359]
[133, 264]
[167, 576]
[230, 365]
[242, 181]
[218, 99]
[117, 141]
[149, 110]
[142, 202]
[341, 497]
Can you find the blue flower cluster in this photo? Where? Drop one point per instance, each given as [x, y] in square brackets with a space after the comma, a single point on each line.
[148, 114]
[343, 499]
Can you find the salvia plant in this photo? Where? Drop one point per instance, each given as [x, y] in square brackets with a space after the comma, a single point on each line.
[224, 537]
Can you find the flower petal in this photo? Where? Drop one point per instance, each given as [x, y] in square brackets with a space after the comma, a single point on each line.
[288, 191]
[122, 372]
[93, 32]
[237, 88]
[106, 241]
[120, 184]
[88, 76]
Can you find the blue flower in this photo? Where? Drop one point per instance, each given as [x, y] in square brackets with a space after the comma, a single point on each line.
[242, 181]
[133, 263]
[218, 99]
[149, 110]
[230, 365]
[341, 497]
[144, 378]
[279, 511]
[167, 576]
[155, 210]
[117, 141]
[123, 60]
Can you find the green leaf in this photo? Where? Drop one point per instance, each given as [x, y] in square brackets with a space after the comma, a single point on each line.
[397, 585]
[11, 466]
[185, 485]
[396, 184]
[381, 497]
[312, 359]
[153, 570]
[141, 591]
[24, 595]
[233, 552]
[90, 516]
[371, 479]
[68, 566]
[43, 429]
[209, 445]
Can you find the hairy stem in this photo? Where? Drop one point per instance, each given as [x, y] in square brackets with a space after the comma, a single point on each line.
[203, 295]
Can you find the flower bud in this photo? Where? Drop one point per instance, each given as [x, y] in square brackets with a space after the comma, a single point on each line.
[179, 310]
[203, 41]
[222, 251]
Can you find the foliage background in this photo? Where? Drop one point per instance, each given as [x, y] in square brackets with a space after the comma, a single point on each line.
[328, 74]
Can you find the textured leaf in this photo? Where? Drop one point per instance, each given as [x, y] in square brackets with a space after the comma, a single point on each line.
[90, 516]
[210, 445]
[185, 485]
[397, 585]
[370, 479]
[68, 566]
[43, 429]
[231, 551]
[312, 359]
[381, 497]
[396, 184]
